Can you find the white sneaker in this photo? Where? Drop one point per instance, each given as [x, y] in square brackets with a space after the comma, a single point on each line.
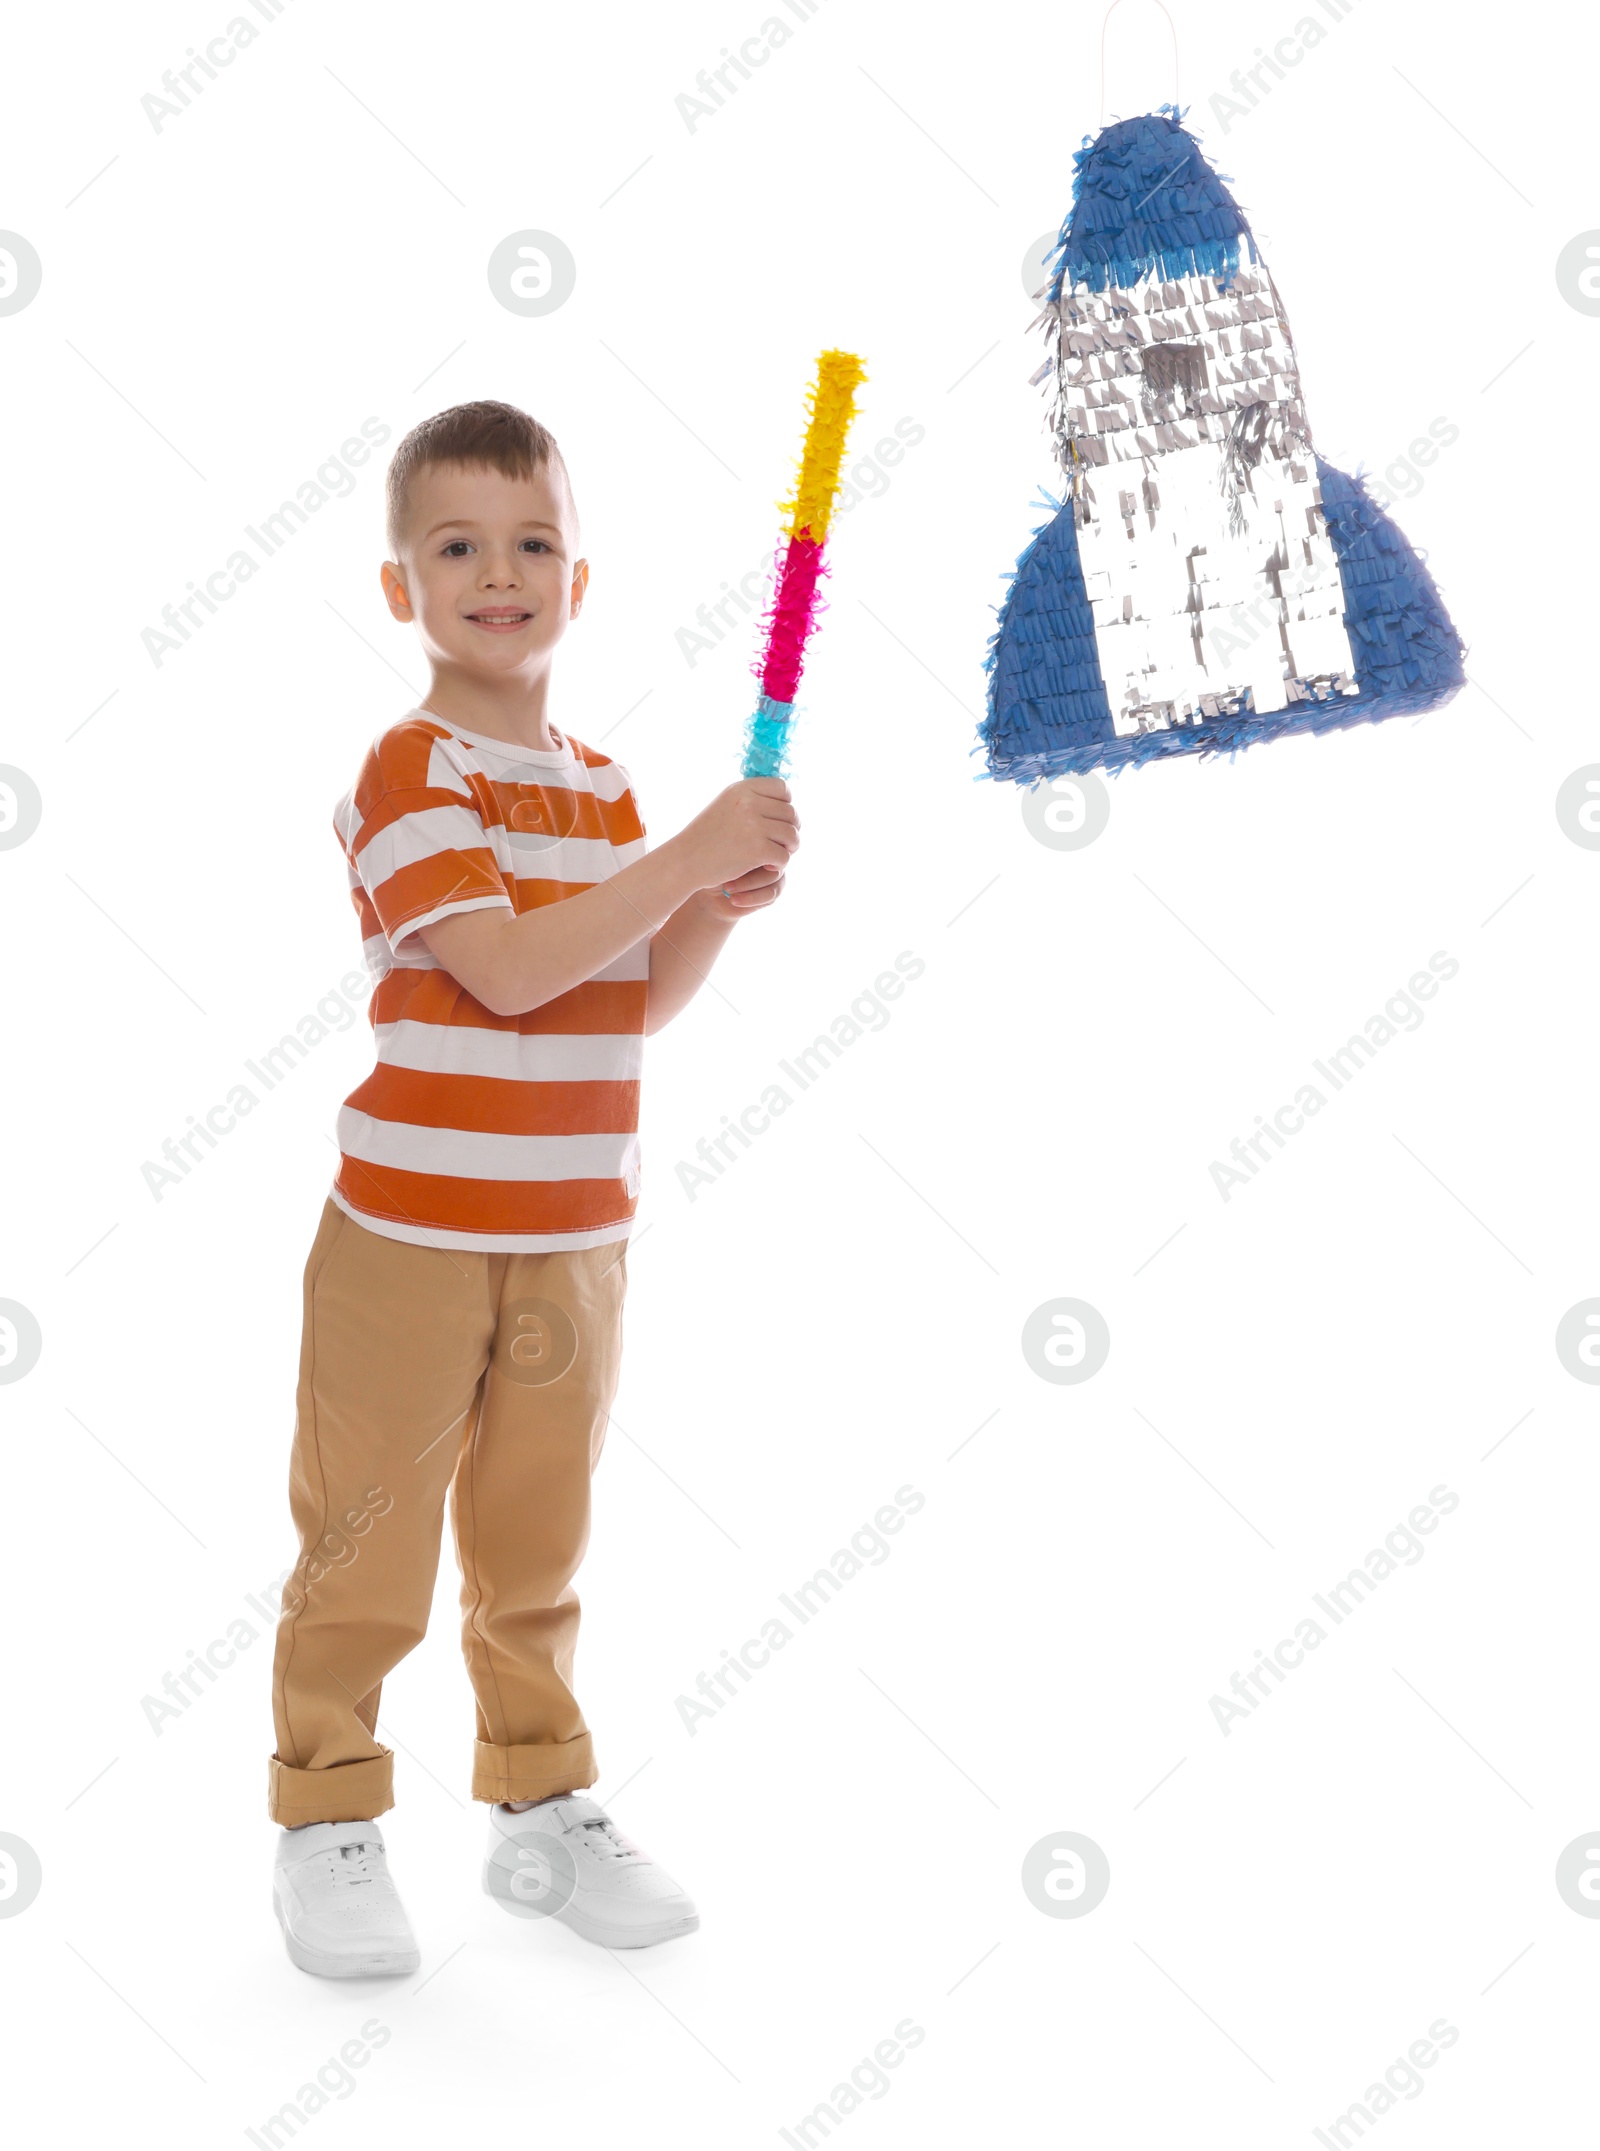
[566, 1859]
[340, 1913]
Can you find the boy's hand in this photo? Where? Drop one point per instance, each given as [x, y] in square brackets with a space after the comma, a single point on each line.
[763, 885]
[750, 826]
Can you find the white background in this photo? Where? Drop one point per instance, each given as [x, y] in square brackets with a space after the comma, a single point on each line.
[304, 248]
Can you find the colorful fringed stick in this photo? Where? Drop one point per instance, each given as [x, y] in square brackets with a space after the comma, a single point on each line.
[793, 611]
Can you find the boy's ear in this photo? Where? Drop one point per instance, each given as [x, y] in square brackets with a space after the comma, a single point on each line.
[580, 584]
[395, 591]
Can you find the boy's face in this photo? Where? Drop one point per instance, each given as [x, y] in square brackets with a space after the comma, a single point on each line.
[488, 568]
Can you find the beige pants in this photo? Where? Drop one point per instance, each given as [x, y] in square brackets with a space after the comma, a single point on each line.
[424, 1368]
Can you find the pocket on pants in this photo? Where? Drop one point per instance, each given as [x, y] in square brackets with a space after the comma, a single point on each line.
[329, 1232]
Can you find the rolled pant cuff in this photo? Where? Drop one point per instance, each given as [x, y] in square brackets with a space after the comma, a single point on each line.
[344, 1792]
[537, 1773]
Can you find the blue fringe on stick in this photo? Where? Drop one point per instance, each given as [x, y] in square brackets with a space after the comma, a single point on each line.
[766, 741]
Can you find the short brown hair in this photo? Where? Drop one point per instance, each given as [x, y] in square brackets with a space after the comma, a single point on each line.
[492, 436]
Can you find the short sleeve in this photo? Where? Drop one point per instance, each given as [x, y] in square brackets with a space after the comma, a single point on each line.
[421, 853]
[621, 817]
[640, 834]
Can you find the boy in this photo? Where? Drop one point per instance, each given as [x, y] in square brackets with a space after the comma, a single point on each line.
[463, 1295]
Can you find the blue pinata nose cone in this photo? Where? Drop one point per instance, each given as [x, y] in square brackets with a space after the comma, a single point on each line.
[1146, 203]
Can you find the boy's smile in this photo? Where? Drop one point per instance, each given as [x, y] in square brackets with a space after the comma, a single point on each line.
[500, 620]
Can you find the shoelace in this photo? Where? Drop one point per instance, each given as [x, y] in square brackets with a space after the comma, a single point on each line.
[350, 1863]
[608, 1841]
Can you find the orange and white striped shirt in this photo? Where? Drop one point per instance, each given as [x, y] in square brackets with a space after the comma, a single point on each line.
[514, 1134]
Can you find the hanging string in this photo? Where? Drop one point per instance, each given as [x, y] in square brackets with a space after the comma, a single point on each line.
[1105, 25]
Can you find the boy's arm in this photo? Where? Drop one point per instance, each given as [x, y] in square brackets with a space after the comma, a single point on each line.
[683, 951]
[515, 964]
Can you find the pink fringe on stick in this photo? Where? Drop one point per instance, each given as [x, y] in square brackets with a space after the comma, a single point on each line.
[791, 618]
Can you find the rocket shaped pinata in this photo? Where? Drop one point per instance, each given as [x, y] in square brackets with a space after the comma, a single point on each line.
[1208, 580]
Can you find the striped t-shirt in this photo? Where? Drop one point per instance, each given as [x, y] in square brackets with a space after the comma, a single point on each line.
[515, 1134]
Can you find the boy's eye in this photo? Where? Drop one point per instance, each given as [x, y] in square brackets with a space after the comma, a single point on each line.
[535, 544]
[456, 548]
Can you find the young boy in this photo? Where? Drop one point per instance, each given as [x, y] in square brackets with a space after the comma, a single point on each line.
[463, 1296]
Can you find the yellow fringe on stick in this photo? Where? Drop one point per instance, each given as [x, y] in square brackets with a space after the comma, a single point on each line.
[831, 403]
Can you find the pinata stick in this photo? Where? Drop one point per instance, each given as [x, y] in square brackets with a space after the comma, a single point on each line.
[793, 612]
